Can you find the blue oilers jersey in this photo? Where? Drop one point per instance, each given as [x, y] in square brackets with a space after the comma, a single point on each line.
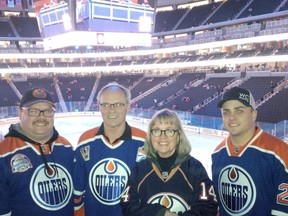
[252, 180]
[102, 170]
[27, 187]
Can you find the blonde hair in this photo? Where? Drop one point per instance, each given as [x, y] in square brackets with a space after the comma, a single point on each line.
[183, 146]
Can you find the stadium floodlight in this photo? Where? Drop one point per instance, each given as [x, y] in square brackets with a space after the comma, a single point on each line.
[145, 24]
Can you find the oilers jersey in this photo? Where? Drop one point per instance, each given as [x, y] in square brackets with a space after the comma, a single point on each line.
[102, 170]
[186, 190]
[28, 185]
[252, 180]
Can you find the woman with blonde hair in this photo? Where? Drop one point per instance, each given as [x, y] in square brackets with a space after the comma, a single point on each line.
[169, 181]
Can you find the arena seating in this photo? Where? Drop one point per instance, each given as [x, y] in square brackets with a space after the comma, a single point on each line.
[258, 7]
[168, 89]
[214, 12]
[168, 20]
[6, 30]
[26, 26]
[33, 82]
[197, 15]
[182, 91]
[227, 11]
[259, 86]
[266, 112]
[146, 84]
[7, 97]
[195, 95]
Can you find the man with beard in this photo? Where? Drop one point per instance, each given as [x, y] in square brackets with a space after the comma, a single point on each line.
[35, 162]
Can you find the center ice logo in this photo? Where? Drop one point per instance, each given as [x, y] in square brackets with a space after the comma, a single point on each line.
[108, 179]
[51, 190]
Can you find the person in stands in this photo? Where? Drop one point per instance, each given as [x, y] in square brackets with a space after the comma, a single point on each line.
[169, 182]
[36, 163]
[249, 167]
[105, 155]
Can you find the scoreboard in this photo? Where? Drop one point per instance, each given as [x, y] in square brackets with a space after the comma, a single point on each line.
[119, 16]
[98, 17]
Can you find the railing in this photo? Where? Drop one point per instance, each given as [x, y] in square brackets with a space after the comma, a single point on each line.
[279, 129]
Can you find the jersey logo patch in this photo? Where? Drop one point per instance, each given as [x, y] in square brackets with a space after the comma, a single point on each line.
[20, 163]
[237, 190]
[171, 201]
[140, 154]
[108, 179]
[51, 191]
[85, 152]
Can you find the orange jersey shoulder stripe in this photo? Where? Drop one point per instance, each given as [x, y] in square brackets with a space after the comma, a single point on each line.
[221, 145]
[88, 134]
[138, 132]
[10, 145]
[63, 141]
[269, 143]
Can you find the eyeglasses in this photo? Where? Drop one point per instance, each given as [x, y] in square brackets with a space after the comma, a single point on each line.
[108, 106]
[168, 132]
[37, 112]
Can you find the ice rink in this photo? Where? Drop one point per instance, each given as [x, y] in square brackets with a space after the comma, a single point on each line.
[71, 127]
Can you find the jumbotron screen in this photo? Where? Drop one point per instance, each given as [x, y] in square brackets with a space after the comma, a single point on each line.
[105, 19]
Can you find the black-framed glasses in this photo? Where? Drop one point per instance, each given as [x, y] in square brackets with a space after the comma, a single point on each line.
[108, 106]
[168, 132]
[36, 112]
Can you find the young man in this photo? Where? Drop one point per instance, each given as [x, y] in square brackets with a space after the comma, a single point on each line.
[35, 162]
[105, 156]
[250, 167]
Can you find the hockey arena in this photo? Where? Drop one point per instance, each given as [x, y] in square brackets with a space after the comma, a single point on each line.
[181, 55]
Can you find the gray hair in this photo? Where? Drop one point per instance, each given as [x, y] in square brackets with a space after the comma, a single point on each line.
[115, 86]
[183, 146]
